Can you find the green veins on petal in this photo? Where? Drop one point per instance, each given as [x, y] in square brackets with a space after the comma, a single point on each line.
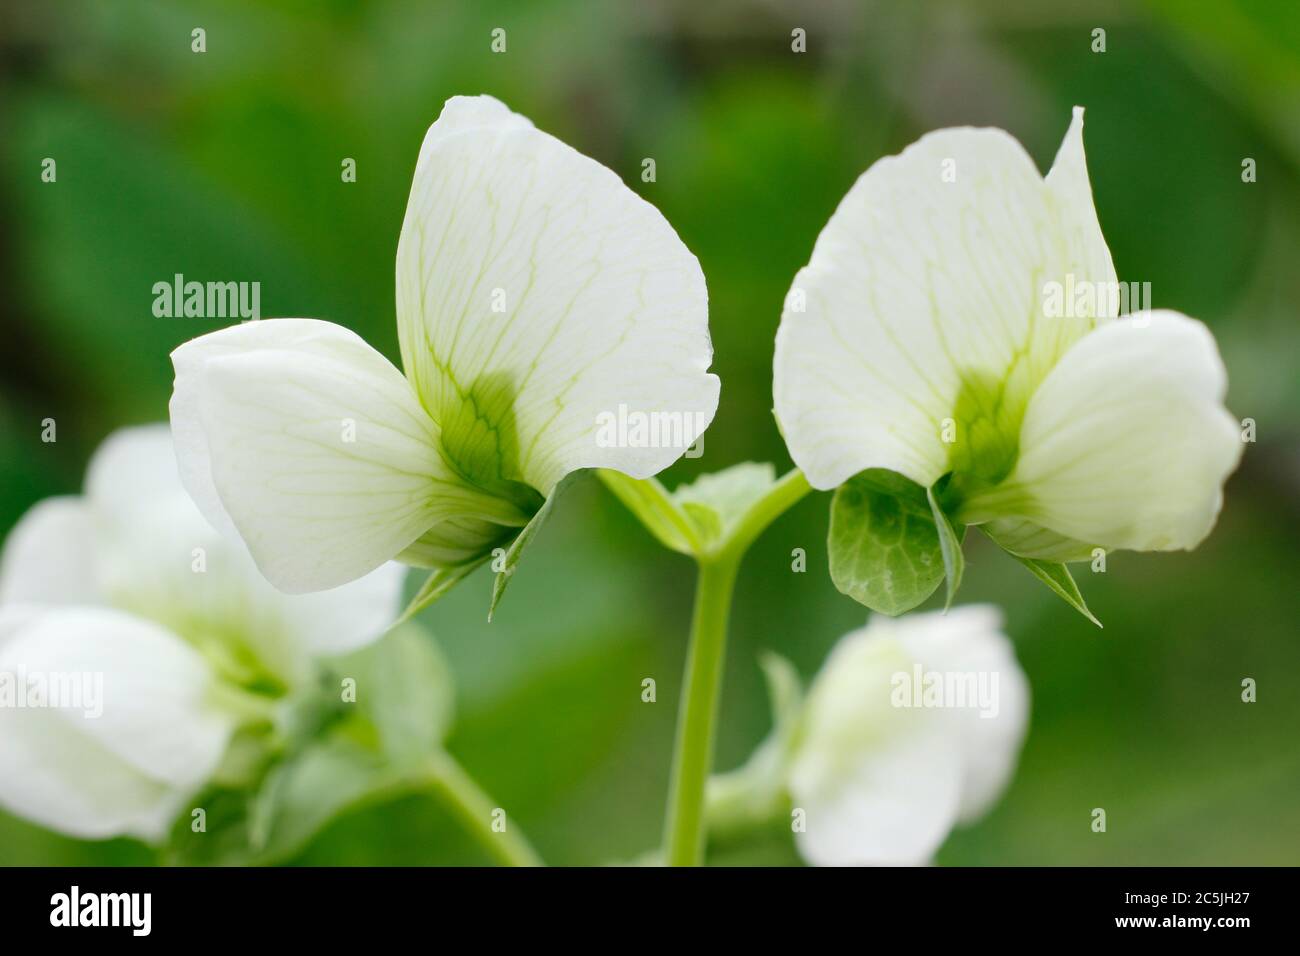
[986, 418]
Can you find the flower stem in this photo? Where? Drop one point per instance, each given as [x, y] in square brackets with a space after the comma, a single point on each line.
[693, 753]
[780, 498]
[470, 805]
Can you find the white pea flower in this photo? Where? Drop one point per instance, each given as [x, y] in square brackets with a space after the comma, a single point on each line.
[164, 637]
[913, 726]
[958, 318]
[538, 298]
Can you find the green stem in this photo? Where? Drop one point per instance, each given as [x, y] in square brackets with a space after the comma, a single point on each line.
[780, 498]
[474, 809]
[693, 752]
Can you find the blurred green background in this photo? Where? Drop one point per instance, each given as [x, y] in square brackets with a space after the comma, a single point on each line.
[225, 165]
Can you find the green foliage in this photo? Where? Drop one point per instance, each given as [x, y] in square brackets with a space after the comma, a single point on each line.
[362, 736]
[510, 560]
[1058, 579]
[885, 550]
[949, 546]
[656, 509]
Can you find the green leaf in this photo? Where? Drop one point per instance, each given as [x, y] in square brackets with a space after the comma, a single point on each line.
[438, 583]
[655, 508]
[522, 540]
[375, 750]
[223, 841]
[294, 801]
[337, 755]
[883, 544]
[302, 795]
[1059, 580]
[950, 546]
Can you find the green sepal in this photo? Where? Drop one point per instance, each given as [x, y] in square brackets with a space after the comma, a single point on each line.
[334, 755]
[438, 583]
[512, 554]
[1060, 582]
[694, 517]
[652, 504]
[954, 563]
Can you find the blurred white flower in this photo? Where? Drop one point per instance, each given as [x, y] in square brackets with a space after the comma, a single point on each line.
[130, 583]
[912, 727]
[536, 297]
[927, 336]
[883, 773]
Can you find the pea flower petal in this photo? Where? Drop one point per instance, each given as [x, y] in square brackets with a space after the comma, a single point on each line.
[131, 583]
[319, 451]
[45, 559]
[129, 768]
[535, 294]
[1127, 441]
[922, 293]
[135, 541]
[919, 339]
[884, 780]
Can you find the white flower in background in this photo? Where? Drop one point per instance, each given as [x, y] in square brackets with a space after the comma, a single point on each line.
[189, 642]
[883, 773]
[536, 294]
[913, 726]
[920, 339]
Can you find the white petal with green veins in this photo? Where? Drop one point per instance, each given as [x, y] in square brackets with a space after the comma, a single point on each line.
[921, 310]
[535, 292]
[1127, 442]
[319, 452]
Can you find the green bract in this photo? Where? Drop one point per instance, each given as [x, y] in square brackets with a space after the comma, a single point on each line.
[883, 544]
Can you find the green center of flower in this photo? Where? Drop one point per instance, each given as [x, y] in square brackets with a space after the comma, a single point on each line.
[480, 438]
[987, 416]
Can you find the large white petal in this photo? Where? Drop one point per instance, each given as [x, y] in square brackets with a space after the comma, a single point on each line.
[132, 469]
[968, 642]
[924, 301]
[1070, 189]
[157, 557]
[878, 783]
[347, 617]
[309, 337]
[599, 304]
[884, 776]
[316, 448]
[48, 557]
[1127, 443]
[174, 568]
[896, 806]
[140, 736]
[66, 781]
